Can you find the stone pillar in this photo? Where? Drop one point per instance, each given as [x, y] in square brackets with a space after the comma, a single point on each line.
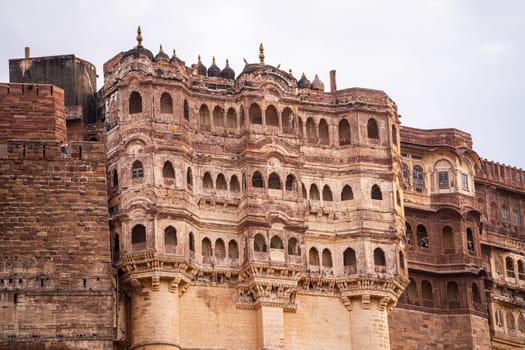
[154, 316]
[270, 328]
[368, 324]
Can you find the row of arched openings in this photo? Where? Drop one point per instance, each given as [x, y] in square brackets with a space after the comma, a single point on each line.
[510, 321]
[514, 268]
[447, 238]
[453, 297]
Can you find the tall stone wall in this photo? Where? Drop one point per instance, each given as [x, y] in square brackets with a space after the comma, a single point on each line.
[411, 329]
[32, 112]
[56, 285]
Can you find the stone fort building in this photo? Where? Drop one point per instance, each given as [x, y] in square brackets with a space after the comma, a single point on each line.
[189, 207]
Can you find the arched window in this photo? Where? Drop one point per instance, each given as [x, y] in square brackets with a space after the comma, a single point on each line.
[234, 184]
[170, 236]
[408, 233]
[311, 133]
[233, 250]
[166, 103]
[135, 103]
[189, 178]
[218, 117]
[412, 292]
[204, 114]
[376, 193]
[521, 273]
[347, 194]
[231, 119]
[186, 110]
[470, 240]
[511, 325]
[406, 174]
[276, 243]
[324, 133]
[372, 131]
[257, 180]
[521, 322]
[427, 294]
[274, 182]
[314, 192]
[327, 258]
[287, 120]
[394, 135]
[191, 241]
[379, 260]
[291, 183]
[115, 178]
[293, 247]
[344, 132]
[504, 214]
[137, 170]
[220, 183]
[206, 247]
[220, 249]
[509, 264]
[255, 114]
[476, 296]
[300, 127]
[453, 295]
[168, 171]
[207, 182]
[327, 194]
[138, 234]
[271, 116]
[422, 236]
[313, 257]
[447, 238]
[401, 260]
[259, 243]
[418, 178]
[349, 261]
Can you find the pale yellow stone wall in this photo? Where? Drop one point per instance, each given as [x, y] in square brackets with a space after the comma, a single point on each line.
[209, 319]
[319, 323]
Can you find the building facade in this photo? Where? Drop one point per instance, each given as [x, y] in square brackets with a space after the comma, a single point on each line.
[257, 211]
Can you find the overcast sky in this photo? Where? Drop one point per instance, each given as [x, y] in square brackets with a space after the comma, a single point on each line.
[446, 63]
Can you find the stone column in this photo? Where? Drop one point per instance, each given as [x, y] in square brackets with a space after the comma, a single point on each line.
[154, 315]
[368, 324]
[270, 328]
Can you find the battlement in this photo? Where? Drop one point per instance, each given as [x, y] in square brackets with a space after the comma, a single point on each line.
[436, 137]
[29, 89]
[502, 174]
[32, 112]
[51, 150]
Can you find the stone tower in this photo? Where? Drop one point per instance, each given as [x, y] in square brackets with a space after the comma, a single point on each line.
[249, 202]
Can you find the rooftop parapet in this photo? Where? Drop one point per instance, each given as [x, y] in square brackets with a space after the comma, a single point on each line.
[502, 174]
[436, 137]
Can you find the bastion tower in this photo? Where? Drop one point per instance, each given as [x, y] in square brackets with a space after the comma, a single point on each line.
[254, 211]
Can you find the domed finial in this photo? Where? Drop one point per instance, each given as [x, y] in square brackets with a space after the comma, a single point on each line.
[213, 60]
[199, 57]
[227, 63]
[139, 37]
[290, 72]
[160, 49]
[261, 53]
[174, 53]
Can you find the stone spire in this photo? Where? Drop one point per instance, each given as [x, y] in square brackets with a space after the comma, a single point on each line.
[139, 37]
[261, 54]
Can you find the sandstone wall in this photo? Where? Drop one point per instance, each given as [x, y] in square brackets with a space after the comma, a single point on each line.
[55, 271]
[32, 112]
[410, 330]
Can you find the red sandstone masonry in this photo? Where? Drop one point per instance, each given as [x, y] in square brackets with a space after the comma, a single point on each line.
[32, 112]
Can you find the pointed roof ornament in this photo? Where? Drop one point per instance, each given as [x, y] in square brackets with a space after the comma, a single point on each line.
[139, 37]
[261, 54]
[174, 54]
[290, 72]
[160, 49]
[245, 61]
